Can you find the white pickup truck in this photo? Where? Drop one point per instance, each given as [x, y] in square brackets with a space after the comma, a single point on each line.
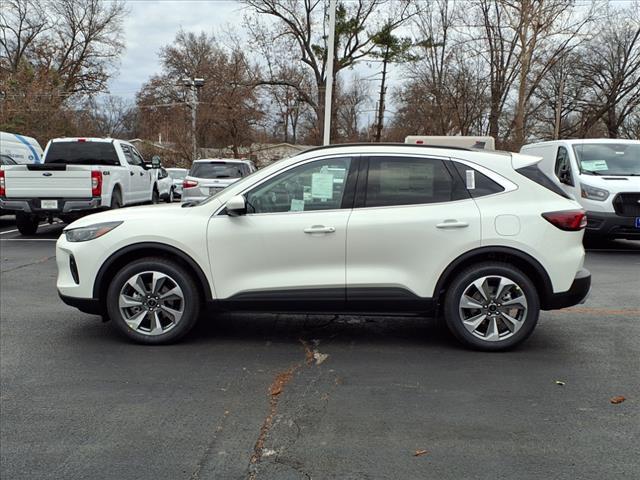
[78, 176]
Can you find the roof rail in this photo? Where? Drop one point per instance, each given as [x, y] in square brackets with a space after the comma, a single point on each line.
[387, 144]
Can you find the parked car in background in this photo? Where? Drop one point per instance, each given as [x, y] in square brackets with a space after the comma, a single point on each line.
[165, 185]
[483, 238]
[603, 175]
[7, 160]
[78, 176]
[177, 175]
[209, 176]
[21, 149]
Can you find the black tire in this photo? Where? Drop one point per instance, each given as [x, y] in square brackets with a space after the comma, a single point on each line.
[116, 199]
[177, 274]
[155, 196]
[27, 224]
[169, 198]
[460, 284]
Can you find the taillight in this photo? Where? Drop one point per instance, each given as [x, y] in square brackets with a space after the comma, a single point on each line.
[568, 220]
[189, 183]
[2, 184]
[96, 183]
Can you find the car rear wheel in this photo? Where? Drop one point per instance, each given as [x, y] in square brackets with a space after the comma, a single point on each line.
[492, 307]
[27, 224]
[153, 301]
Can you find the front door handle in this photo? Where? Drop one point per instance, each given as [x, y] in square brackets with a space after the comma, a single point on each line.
[452, 224]
[319, 229]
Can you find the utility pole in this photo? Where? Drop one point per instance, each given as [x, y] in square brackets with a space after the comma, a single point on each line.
[193, 84]
[329, 82]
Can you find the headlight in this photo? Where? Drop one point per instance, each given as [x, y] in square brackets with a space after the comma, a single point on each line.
[593, 193]
[82, 234]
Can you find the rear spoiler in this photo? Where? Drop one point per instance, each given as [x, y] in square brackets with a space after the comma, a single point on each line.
[518, 160]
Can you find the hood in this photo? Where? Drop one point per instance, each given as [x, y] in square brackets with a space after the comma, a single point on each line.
[157, 212]
[615, 184]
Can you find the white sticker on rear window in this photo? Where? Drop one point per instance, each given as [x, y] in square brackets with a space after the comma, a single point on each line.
[471, 179]
[595, 165]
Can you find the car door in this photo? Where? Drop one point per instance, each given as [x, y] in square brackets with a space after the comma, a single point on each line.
[412, 216]
[129, 178]
[288, 251]
[143, 178]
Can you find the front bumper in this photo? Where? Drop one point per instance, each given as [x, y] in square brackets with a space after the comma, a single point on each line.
[576, 294]
[65, 205]
[611, 225]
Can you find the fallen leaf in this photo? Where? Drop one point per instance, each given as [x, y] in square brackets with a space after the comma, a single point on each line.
[618, 399]
[320, 357]
[419, 453]
[560, 382]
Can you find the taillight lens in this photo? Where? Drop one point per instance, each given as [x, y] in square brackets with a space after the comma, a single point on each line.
[96, 183]
[568, 220]
[2, 184]
[189, 183]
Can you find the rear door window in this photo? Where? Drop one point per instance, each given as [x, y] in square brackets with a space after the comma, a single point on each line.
[82, 153]
[409, 181]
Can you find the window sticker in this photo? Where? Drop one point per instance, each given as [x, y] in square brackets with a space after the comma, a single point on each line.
[322, 186]
[296, 205]
[471, 179]
[595, 165]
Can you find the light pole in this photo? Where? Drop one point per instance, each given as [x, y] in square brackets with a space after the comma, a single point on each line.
[193, 83]
[328, 90]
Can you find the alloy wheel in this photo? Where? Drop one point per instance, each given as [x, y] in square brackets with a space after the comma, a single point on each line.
[151, 303]
[493, 308]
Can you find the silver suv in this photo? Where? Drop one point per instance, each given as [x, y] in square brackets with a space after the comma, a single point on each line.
[209, 176]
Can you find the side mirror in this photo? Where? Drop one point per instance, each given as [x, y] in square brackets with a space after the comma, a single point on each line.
[155, 161]
[236, 206]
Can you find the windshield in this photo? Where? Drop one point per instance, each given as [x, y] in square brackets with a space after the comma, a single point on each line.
[216, 170]
[6, 160]
[609, 158]
[177, 174]
[82, 153]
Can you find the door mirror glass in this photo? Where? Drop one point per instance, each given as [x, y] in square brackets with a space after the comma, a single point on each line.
[155, 161]
[236, 206]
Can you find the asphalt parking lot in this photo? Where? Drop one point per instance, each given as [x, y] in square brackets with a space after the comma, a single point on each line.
[296, 397]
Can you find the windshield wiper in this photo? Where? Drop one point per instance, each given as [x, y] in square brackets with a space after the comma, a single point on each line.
[590, 172]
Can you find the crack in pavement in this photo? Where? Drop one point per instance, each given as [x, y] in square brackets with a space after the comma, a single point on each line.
[37, 262]
[275, 390]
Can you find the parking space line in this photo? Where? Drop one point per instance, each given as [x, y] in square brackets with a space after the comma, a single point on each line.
[28, 239]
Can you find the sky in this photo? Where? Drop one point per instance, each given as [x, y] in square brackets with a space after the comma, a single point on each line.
[152, 24]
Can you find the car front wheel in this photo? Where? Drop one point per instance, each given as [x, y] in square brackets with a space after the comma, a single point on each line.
[491, 306]
[153, 301]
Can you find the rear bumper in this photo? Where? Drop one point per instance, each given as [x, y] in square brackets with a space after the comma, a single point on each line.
[86, 305]
[576, 294]
[611, 225]
[65, 205]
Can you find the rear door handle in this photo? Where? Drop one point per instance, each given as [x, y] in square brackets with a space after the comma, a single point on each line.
[319, 229]
[452, 224]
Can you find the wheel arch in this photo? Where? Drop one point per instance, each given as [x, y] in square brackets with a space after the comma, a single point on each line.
[523, 261]
[132, 252]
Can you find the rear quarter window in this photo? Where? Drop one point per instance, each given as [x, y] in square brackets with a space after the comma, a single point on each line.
[533, 173]
[483, 185]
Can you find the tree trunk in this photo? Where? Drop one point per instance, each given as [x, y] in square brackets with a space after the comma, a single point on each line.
[381, 101]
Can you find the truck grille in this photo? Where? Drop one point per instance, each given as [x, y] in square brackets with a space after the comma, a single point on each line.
[627, 204]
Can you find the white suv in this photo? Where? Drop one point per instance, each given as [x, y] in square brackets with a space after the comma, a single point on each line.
[484, 239]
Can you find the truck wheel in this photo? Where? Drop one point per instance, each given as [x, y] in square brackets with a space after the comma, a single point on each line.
[491, 306]
[153, 300]
[116, 199]
[27, 224]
